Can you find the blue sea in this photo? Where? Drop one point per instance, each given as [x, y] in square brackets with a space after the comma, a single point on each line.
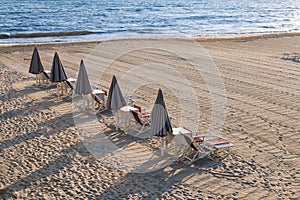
[24, 21]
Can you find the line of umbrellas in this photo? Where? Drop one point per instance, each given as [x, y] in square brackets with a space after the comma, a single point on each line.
[57, 73]
[160, 121]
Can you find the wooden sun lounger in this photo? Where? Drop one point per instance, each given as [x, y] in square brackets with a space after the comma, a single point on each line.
[71, 84]
[99, 97]
[194, 148]
[291, 56]
[220, 146]
[199, 146]
[143, 122]
[196, 151]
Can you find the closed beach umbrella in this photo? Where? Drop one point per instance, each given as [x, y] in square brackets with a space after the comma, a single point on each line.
[83, 86]
[58, 74]
[57, 71]
[160, 121]
[115, 99]
[36, 66]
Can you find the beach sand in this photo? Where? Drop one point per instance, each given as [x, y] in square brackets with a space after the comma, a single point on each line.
[42, 156]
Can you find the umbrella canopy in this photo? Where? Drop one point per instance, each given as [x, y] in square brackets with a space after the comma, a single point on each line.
[57, 71]
[115, 99]
[160, 121]
[83, 86]
[36, 65]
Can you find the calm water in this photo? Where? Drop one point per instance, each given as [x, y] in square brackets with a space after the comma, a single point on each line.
[69, 20]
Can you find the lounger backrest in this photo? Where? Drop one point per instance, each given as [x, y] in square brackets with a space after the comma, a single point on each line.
[70, 85]
[190, 142]
[137, 117]
[189, 131]
[46, 75]
[96, 98]
[105, 92]
[138, 107]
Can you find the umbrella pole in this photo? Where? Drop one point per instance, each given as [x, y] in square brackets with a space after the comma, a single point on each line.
[162, 150]
[87, 101]
[61, 88]
[83, 102]
[40, 78]
[57, 84]
[65, 85]
[117, 120]
[41, 75]
[36, 80]
[166, 144]
[93, 103]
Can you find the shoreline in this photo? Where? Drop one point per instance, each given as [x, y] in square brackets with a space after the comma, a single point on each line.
[197, 38]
